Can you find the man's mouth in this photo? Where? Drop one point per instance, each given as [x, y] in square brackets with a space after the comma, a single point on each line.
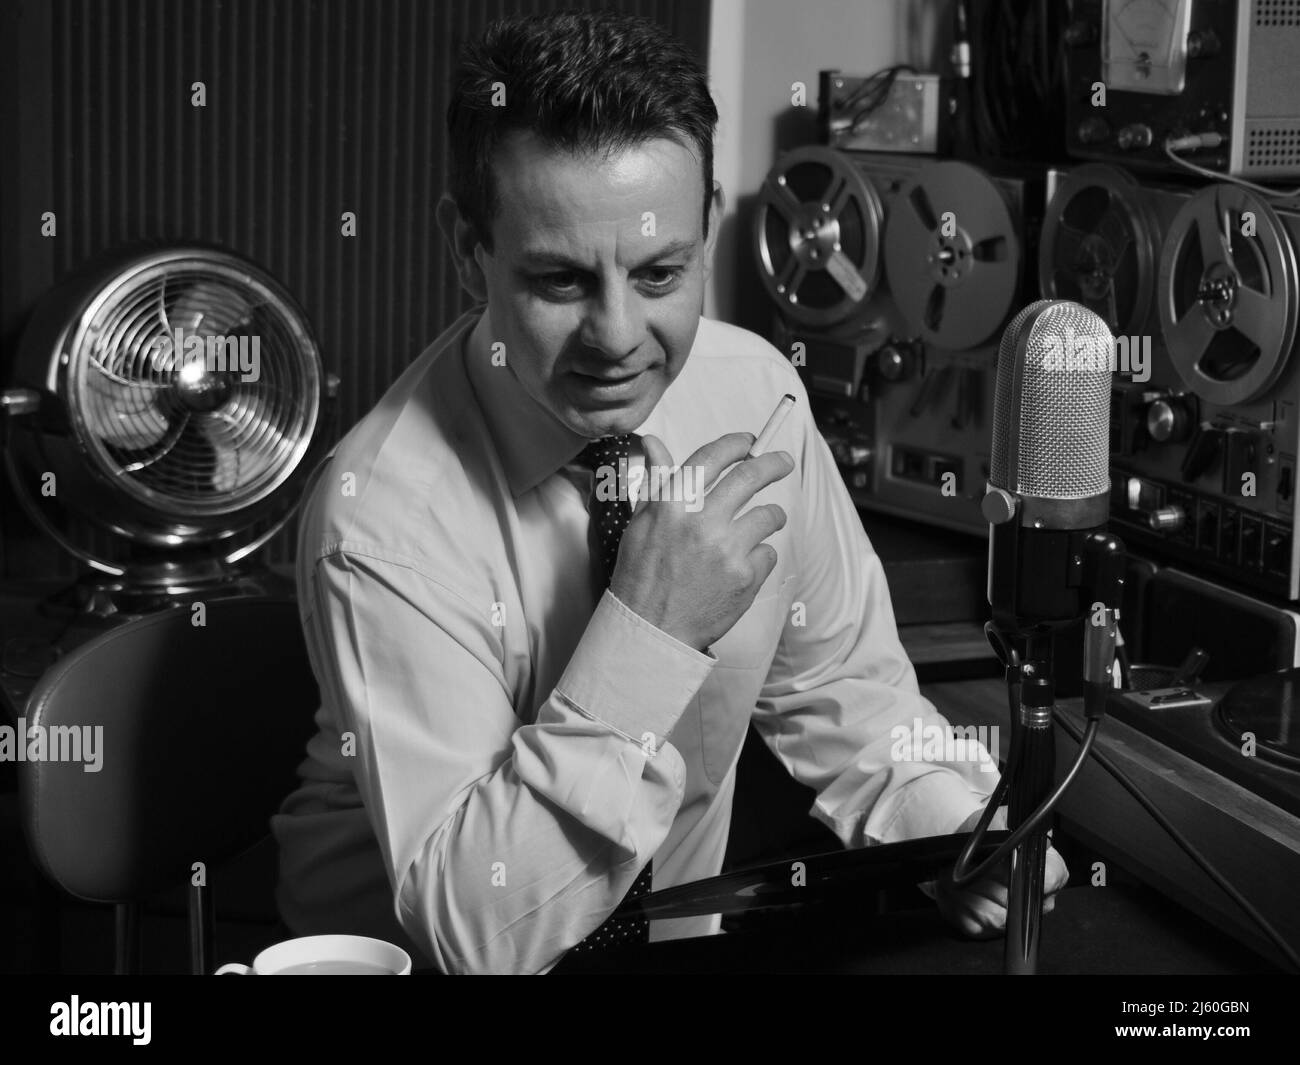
[601, 390]
[610, 379]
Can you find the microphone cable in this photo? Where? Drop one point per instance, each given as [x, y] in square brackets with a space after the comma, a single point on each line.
[960, 875]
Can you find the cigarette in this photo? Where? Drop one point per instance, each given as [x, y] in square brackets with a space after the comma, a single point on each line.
[773, 424]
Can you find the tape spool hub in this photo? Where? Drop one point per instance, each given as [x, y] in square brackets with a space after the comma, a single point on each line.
[952, 257]
[1228, 304]
[817, 237]
[1097, 247]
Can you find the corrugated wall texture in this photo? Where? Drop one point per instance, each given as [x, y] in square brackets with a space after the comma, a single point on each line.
[313, 108]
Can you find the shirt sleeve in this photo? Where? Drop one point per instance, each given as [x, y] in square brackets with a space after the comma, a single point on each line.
[841, 704]
[505, 843]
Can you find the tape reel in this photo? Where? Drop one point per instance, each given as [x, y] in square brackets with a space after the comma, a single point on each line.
[817, 237]
[1098, 247]
[952, 257]
[1227, 294]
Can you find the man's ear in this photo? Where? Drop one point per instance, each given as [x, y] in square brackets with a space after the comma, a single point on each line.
[462, 241]
[717, 204]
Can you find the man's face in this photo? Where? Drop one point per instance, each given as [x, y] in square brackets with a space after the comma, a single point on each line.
[596, 279]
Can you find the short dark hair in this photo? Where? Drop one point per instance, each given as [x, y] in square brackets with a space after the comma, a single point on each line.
[580, 81]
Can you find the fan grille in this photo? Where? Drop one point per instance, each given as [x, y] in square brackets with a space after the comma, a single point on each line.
[194, 384]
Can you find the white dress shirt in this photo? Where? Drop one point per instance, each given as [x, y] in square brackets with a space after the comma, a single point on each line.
[480, 789]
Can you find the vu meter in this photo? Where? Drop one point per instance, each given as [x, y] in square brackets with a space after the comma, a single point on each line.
[1144, 45]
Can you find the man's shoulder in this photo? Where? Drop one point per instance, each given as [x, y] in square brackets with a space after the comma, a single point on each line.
[717, 340]
[725, 354]
[416, 428]
[415, 455]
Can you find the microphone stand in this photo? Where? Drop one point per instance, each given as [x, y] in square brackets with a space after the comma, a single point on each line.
[1027, 655]
[1029, 676]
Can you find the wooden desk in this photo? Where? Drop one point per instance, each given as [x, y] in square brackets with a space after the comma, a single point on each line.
[1254, 844]
[946, 642]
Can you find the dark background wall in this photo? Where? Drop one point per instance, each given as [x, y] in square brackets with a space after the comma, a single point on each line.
[314, 108]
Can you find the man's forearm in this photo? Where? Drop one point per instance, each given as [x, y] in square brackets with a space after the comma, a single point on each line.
[540, 851]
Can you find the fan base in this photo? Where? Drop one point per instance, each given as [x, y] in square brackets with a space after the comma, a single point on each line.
[147, 588]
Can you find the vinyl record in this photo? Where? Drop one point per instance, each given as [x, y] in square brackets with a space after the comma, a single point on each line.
[1097, 247]
[952, 257]
[817, 237]
[1268, 709]
[1227, 294]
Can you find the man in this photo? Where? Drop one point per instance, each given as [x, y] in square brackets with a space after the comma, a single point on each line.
[506, 744]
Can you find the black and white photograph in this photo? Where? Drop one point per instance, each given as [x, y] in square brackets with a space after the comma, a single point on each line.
[649, 488]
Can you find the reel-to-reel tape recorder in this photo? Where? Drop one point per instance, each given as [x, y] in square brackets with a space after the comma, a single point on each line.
[892, 277]
[1205, 437]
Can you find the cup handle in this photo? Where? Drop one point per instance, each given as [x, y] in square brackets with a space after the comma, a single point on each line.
[234, 968]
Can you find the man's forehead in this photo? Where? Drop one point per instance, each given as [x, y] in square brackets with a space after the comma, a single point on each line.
[548, 195]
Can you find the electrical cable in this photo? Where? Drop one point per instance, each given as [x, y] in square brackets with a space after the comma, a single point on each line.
[1212, 140]
[875, 89]
[1184, 844]
[1016, 85]
[960, 876]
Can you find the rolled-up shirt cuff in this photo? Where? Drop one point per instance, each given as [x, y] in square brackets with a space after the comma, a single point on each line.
[934, 804]
[631, 676]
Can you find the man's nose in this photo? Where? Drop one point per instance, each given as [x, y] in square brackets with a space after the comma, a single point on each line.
[614, 323]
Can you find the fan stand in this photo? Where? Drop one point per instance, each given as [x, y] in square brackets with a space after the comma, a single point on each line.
[148, 580]
[150, 586]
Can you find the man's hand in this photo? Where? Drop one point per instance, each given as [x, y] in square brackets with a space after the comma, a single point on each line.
[692, 574]
[979, 910]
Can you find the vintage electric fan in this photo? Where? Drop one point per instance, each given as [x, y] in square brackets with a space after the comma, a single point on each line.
[163, 416]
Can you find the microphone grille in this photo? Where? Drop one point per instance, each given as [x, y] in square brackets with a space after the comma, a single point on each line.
[1051, 405]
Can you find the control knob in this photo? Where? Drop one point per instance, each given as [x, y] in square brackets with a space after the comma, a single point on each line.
[1167, 519]
[1168, 420]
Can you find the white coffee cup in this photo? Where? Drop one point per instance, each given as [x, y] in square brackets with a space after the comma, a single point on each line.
[326, 956]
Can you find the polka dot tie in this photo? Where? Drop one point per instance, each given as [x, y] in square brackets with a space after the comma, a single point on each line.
[611, 516]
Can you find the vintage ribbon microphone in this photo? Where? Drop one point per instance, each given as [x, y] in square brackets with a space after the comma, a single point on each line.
[1051, 562]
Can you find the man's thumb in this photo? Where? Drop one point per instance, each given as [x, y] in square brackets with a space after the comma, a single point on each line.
[656, 454]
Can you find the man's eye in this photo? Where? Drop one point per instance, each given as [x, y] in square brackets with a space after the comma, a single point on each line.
[562, 283]
[662, 277]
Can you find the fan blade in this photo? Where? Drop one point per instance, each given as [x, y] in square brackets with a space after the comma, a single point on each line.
[209, 309]
[122, 413]
[239, 461]
[159, 450]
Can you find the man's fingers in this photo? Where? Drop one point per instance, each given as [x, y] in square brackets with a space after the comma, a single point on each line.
[763, 558]
[980, 910]
[1056, 873]
[983, 917]
[972, 911]
[993, 890]
[715, 456]
[743, 482]
[757, 524]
